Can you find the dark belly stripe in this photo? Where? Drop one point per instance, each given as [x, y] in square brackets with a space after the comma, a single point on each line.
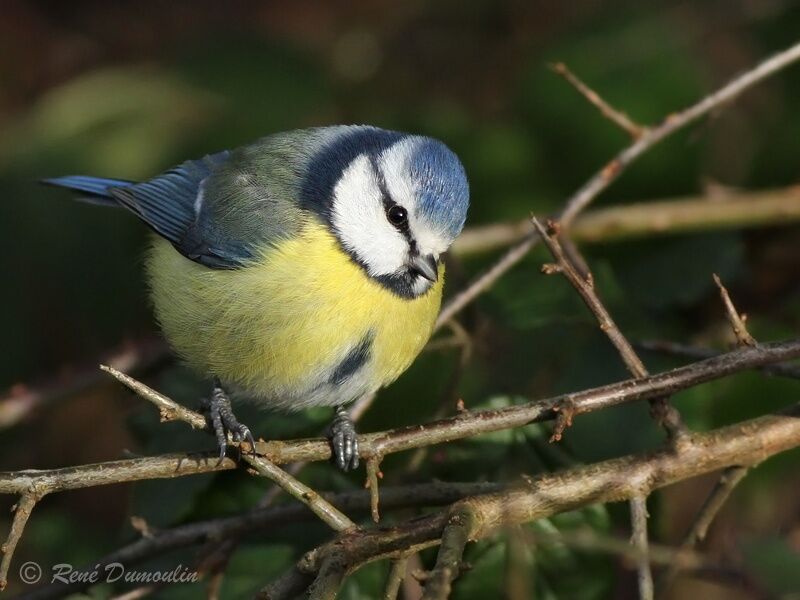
[354, 360]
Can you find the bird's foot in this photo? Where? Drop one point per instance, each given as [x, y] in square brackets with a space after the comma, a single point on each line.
[343, 439]
[222, 421]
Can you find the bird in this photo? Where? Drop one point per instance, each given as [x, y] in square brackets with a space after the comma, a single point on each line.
[303, 269]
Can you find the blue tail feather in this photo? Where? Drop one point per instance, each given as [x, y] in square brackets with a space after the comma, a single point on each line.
[96, 189]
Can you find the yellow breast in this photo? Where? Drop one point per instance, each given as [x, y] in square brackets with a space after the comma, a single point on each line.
[277, 327]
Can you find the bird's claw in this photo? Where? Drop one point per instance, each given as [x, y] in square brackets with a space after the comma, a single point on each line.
[344, 440]
[222, 421]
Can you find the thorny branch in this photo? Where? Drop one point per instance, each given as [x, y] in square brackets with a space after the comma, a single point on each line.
[731, 476]
[613, 480]
[666, 413]
[324, 570]
[584, 285]
[463, 425]
[616, 166]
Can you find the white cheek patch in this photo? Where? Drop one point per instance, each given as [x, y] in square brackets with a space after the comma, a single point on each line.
[358, 217]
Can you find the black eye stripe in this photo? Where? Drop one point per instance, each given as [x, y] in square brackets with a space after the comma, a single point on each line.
[391, 208]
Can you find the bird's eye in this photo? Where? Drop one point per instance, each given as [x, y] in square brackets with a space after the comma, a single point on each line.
[397, 215]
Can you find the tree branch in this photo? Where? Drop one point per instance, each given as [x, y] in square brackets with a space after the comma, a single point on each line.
[448, 562]
[268, 519]
[736, 320]
[653, 217]
[651, 136]
[21, 513]
[463, 425]
[326, 511]
[644, 577]
[614, 168]
[700, 353]
[583, 283]
[613, 480]
[617, 117]
[167, 408]
[729, 479]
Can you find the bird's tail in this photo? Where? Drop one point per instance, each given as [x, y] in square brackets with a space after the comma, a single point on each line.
[96, 190]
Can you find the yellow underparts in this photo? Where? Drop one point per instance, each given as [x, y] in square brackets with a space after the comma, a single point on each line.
[278, 327]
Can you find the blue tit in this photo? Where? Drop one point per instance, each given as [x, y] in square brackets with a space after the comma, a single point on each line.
[301, 270]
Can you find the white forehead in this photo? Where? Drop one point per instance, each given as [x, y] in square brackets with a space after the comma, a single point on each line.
[395, 166]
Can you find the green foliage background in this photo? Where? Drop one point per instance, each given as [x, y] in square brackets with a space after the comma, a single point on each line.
[127, 89]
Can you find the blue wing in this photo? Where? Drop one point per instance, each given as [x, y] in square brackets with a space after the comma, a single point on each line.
[170, 204]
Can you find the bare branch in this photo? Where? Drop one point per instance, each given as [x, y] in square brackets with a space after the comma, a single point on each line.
[405, 438]
[23, 510]
[329, 578]
[639, 516]
[606, 175]
[119, 471]
[736, 320]
[603, 178]
[729, 479]
[396, 575]
[167, 408]
[373, 474]
[653, 217]
[619, 118]
[700, 353]
[613, 480]
[669, 418]
[329, 514]
[448, 561]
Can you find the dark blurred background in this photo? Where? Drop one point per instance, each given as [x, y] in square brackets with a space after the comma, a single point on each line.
[126, 89]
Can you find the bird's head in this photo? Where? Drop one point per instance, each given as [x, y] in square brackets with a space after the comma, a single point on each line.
[395, 202]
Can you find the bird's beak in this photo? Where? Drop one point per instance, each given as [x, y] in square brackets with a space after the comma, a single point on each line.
[426, 266]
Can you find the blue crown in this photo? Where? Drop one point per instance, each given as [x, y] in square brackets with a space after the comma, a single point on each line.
[443, 189]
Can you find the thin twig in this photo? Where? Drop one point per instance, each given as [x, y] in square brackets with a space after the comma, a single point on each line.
[619, 118]
[644, 576]
[373, 474]
[729, 479]
[167, 408]
[614, 168]
[603, 178]
[395, 579]
[736, 320]
[21, 514]
[172, 411]
[700, 353]
[667, 415]
[328, 513]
